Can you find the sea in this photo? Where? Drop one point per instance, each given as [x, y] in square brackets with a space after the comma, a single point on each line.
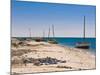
[71, 42]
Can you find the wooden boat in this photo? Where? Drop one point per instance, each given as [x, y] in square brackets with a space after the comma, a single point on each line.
[39, 39]
[52, 40]
[84, 44]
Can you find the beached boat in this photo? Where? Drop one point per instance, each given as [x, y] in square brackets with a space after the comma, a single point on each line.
[39, 39]
[52, 40]
[84, 44]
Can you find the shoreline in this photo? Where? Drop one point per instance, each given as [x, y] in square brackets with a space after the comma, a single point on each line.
[88, 50]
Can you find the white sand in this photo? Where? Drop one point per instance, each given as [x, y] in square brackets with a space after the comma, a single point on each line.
[75, 58]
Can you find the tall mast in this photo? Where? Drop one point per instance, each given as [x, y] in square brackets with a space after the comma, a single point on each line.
[49, 33]
[84, 29]
[95, 28]
[53, 31]
[43, 33]
[30, 32]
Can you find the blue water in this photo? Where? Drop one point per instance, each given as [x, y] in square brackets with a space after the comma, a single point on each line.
[72, 42]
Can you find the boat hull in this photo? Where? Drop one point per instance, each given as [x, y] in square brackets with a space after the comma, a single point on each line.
[83, 47]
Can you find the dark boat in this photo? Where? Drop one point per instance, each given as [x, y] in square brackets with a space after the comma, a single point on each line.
[84, 44]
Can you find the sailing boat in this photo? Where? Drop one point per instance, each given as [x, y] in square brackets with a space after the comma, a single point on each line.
[52, 41]
[39, 39]
[84, 44]
[43, 38]
[30, 38]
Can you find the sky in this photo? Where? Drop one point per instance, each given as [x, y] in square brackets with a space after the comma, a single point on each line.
[68, 19]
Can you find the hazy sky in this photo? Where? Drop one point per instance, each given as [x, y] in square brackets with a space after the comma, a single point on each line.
[66, 18]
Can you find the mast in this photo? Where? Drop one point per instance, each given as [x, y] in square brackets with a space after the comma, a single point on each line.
[43, 33]
[30, 32]
[53, 31]
[84, 29]
[95, 28]
[49, 33]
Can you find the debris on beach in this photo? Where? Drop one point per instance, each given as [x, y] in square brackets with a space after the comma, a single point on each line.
[39, 61]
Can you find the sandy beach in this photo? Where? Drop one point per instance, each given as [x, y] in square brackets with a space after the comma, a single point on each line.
[65, 58]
